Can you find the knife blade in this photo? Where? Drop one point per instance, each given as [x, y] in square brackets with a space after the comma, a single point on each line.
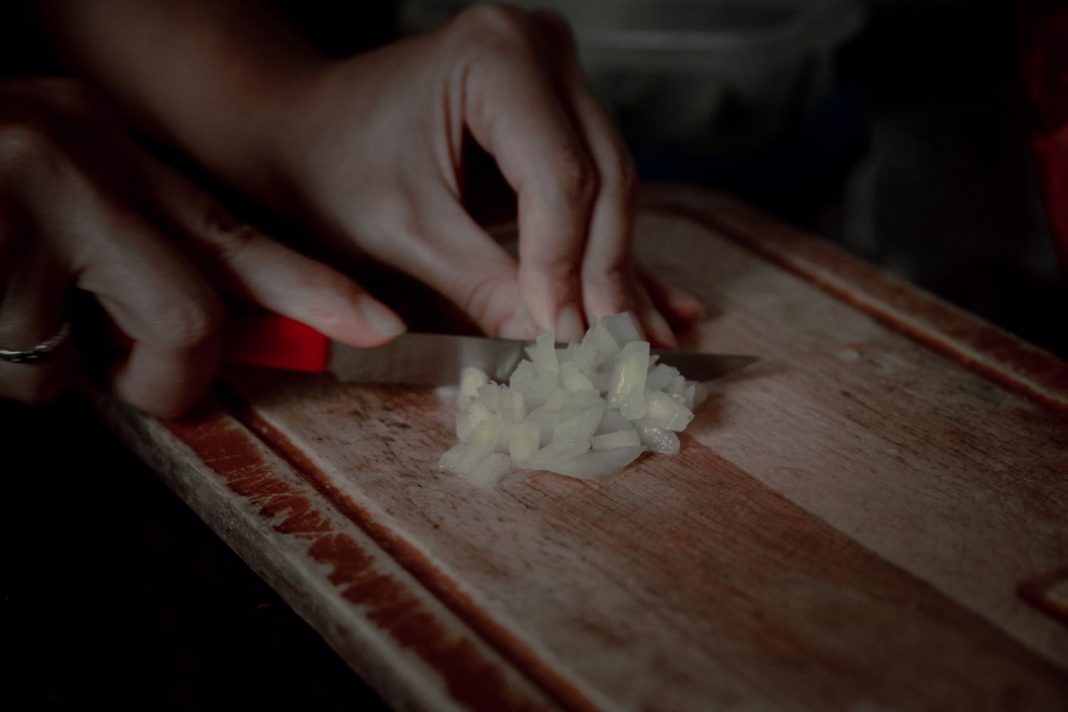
[414, 358]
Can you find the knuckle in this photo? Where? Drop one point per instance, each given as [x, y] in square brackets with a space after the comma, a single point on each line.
[610, 269]
[608, 292]
[497, 26]
[496, 20]
[609, 280]
[192, 322]
[576, 181]
[226, 234]
[556, 276]
[482, 300]
[560, 267]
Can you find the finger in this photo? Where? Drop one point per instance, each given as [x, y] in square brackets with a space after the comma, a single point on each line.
[681, 309]
[253, 266]
[656, 328]
[608, 286]
[80, 211]
[443, 247]
[513, 110]
[31, 312]
[155, 296]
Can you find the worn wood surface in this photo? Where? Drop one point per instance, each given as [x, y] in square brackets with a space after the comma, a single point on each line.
[875, 515]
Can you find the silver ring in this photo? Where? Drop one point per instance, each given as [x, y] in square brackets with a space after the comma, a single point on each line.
[41, 351]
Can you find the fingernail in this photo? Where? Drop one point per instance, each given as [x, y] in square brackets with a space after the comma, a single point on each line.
[519, 326]
[569, 325]
[381, 318]
[660, 332]
[688, 306]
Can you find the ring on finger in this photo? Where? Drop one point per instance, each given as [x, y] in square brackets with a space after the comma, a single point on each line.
[41, 351]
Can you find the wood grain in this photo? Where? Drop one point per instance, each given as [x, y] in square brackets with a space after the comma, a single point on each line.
[853, 522]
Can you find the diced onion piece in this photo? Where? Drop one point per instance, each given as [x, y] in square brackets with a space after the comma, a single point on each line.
[596, 463]
[492, 468]
[524, 440]
[469, 419]
[471, 379]
[659, 440]
[573, 378]
[622, 327]
[601, 380]
[620, 438]
[565, 354]
[463, 458]
[584, 360]
[487, 435]
[541, 389]
[613, 421]
[580, 427]
[513, 406]
[542, 354]
[676, 387]
[522, 378]
[546, 422]
[660, 376]
[559, 452]
[626, 390]
[667, 412]
[603, 344]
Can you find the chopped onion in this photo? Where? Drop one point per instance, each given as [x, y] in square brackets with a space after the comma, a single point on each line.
[586, 409]
[626, 389]
[620, 438]
[471, 379]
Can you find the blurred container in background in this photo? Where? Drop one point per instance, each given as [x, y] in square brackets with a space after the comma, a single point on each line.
[706, 77]
[895, 128]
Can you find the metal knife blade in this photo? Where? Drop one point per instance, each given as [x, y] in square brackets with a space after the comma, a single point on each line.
[438, 359]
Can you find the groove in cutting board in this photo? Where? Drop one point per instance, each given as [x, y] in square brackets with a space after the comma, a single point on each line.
[967, 339]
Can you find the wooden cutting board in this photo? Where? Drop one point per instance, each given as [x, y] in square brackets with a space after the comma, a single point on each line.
[874, 516]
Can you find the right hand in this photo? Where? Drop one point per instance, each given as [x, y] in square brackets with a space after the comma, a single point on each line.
[371, 148]
[82, 206]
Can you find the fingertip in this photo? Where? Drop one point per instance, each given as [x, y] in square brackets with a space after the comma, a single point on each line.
[519, 326]
[684, 308]
[681, 308]
[382, 320]
[550, 292]
[569, 324]
[658, 331]
[362, 322]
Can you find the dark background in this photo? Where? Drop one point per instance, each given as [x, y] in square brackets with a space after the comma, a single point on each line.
[916, 159]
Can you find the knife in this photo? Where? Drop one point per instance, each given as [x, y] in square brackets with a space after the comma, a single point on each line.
[274, 341]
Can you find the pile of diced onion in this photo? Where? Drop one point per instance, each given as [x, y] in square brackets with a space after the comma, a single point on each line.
[586, 409]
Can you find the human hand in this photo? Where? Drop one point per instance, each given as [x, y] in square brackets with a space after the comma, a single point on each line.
[373, 153]
[83, 207]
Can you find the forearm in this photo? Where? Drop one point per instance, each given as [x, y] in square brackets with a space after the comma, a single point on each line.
[211, 76]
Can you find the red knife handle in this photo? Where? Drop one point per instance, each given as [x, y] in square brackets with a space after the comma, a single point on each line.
[274, 341]
[262, 338]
